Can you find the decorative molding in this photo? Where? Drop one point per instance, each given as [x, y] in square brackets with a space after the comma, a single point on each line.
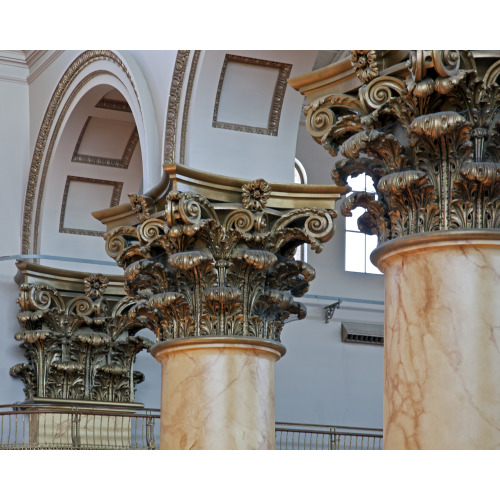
[114, 105]
[202, 268]
[429, 138]
[330, 310]
[106, 162]
[39, 60]
[174, 100]
[13, 66]
[362, 333]
[187, 103]
[79, 345]
[284, 70]
[115, 199]
[46, 130]
[216, 187]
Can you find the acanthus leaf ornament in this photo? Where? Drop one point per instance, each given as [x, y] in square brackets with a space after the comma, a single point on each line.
[213, 270]
[68, 340]
[429, 138]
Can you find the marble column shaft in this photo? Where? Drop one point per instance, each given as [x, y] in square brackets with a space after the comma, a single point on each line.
[217, 394]
[442, 340]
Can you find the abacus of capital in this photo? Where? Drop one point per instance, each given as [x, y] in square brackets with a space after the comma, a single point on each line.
[424, 126]
[209, 263]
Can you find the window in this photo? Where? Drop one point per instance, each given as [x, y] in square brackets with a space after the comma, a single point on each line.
[359, 246]
[300, 177]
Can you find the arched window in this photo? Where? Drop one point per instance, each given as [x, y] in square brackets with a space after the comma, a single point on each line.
[300, 177]
[359, 246]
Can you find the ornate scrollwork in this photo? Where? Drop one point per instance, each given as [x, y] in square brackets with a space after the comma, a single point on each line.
[69, 342]
[365, 64]
[140, 207]
[219, 270]
[437, 169]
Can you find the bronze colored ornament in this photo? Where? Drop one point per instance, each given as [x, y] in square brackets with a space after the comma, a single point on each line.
[95, 285]
[428, 137]
[255, 195]
[365, 64]
[204, 269]
[77, 348]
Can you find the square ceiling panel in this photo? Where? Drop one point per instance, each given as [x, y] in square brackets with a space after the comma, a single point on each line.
[250, 95]
[80, 198]
[106, 142]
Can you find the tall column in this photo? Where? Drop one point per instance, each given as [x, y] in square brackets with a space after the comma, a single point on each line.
[430, 140]
[215, 278]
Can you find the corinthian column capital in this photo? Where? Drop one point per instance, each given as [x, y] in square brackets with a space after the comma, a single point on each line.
[220, 261]
[425, 130]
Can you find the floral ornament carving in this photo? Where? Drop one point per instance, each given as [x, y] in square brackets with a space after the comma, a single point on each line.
[139, 205]
[429, 141]
[365, 64]
[77, 348]
[200, 269]
[95, 285]
[255, 195]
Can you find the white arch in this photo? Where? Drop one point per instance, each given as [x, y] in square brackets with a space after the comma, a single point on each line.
[89, 69]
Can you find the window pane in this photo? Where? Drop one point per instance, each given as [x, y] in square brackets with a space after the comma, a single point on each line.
[371, 243]
[370, 188]
[351, 223]
[355, 252]
[357, 183]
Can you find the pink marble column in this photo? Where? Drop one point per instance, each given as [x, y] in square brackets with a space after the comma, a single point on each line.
[217, 393]
[442, 340]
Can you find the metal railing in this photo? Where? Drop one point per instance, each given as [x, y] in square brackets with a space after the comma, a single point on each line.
[82, 429]
[291, 436]
[78, 429]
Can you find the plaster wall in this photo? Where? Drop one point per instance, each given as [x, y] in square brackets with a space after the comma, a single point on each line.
[322, 380]
[237, 153]
[14, 157]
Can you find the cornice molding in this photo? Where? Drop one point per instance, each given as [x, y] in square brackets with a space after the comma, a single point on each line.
[23, 66]
[13, 66]
[39, 60]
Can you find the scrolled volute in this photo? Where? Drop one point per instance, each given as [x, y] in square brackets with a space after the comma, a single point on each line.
[379, 91]
[67, 338]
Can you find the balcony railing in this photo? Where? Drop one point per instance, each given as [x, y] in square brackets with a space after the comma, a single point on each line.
[321, 437]
[81, 429]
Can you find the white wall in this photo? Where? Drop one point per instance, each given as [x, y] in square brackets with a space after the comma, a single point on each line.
[322, 380]
[14, 147]
[237, 153]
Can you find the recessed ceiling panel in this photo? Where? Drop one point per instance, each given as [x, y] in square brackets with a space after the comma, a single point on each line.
[106, 142]
[250, 95]
[80, 198]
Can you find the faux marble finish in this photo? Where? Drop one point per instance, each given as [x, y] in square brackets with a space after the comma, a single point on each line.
[53, 430]
[217, 393]
[442, 340]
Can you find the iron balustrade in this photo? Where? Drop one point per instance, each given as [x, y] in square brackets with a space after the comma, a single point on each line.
[103, 429]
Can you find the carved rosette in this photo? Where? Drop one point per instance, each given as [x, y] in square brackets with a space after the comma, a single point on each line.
[429, 140]
[365, 64]
[77, 348]
[202, 269]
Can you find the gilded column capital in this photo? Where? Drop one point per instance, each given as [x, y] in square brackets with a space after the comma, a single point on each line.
[79, 345]
[427, 133]
[202, 267]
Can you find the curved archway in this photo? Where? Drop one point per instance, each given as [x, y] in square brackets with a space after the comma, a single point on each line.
[88, 70]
